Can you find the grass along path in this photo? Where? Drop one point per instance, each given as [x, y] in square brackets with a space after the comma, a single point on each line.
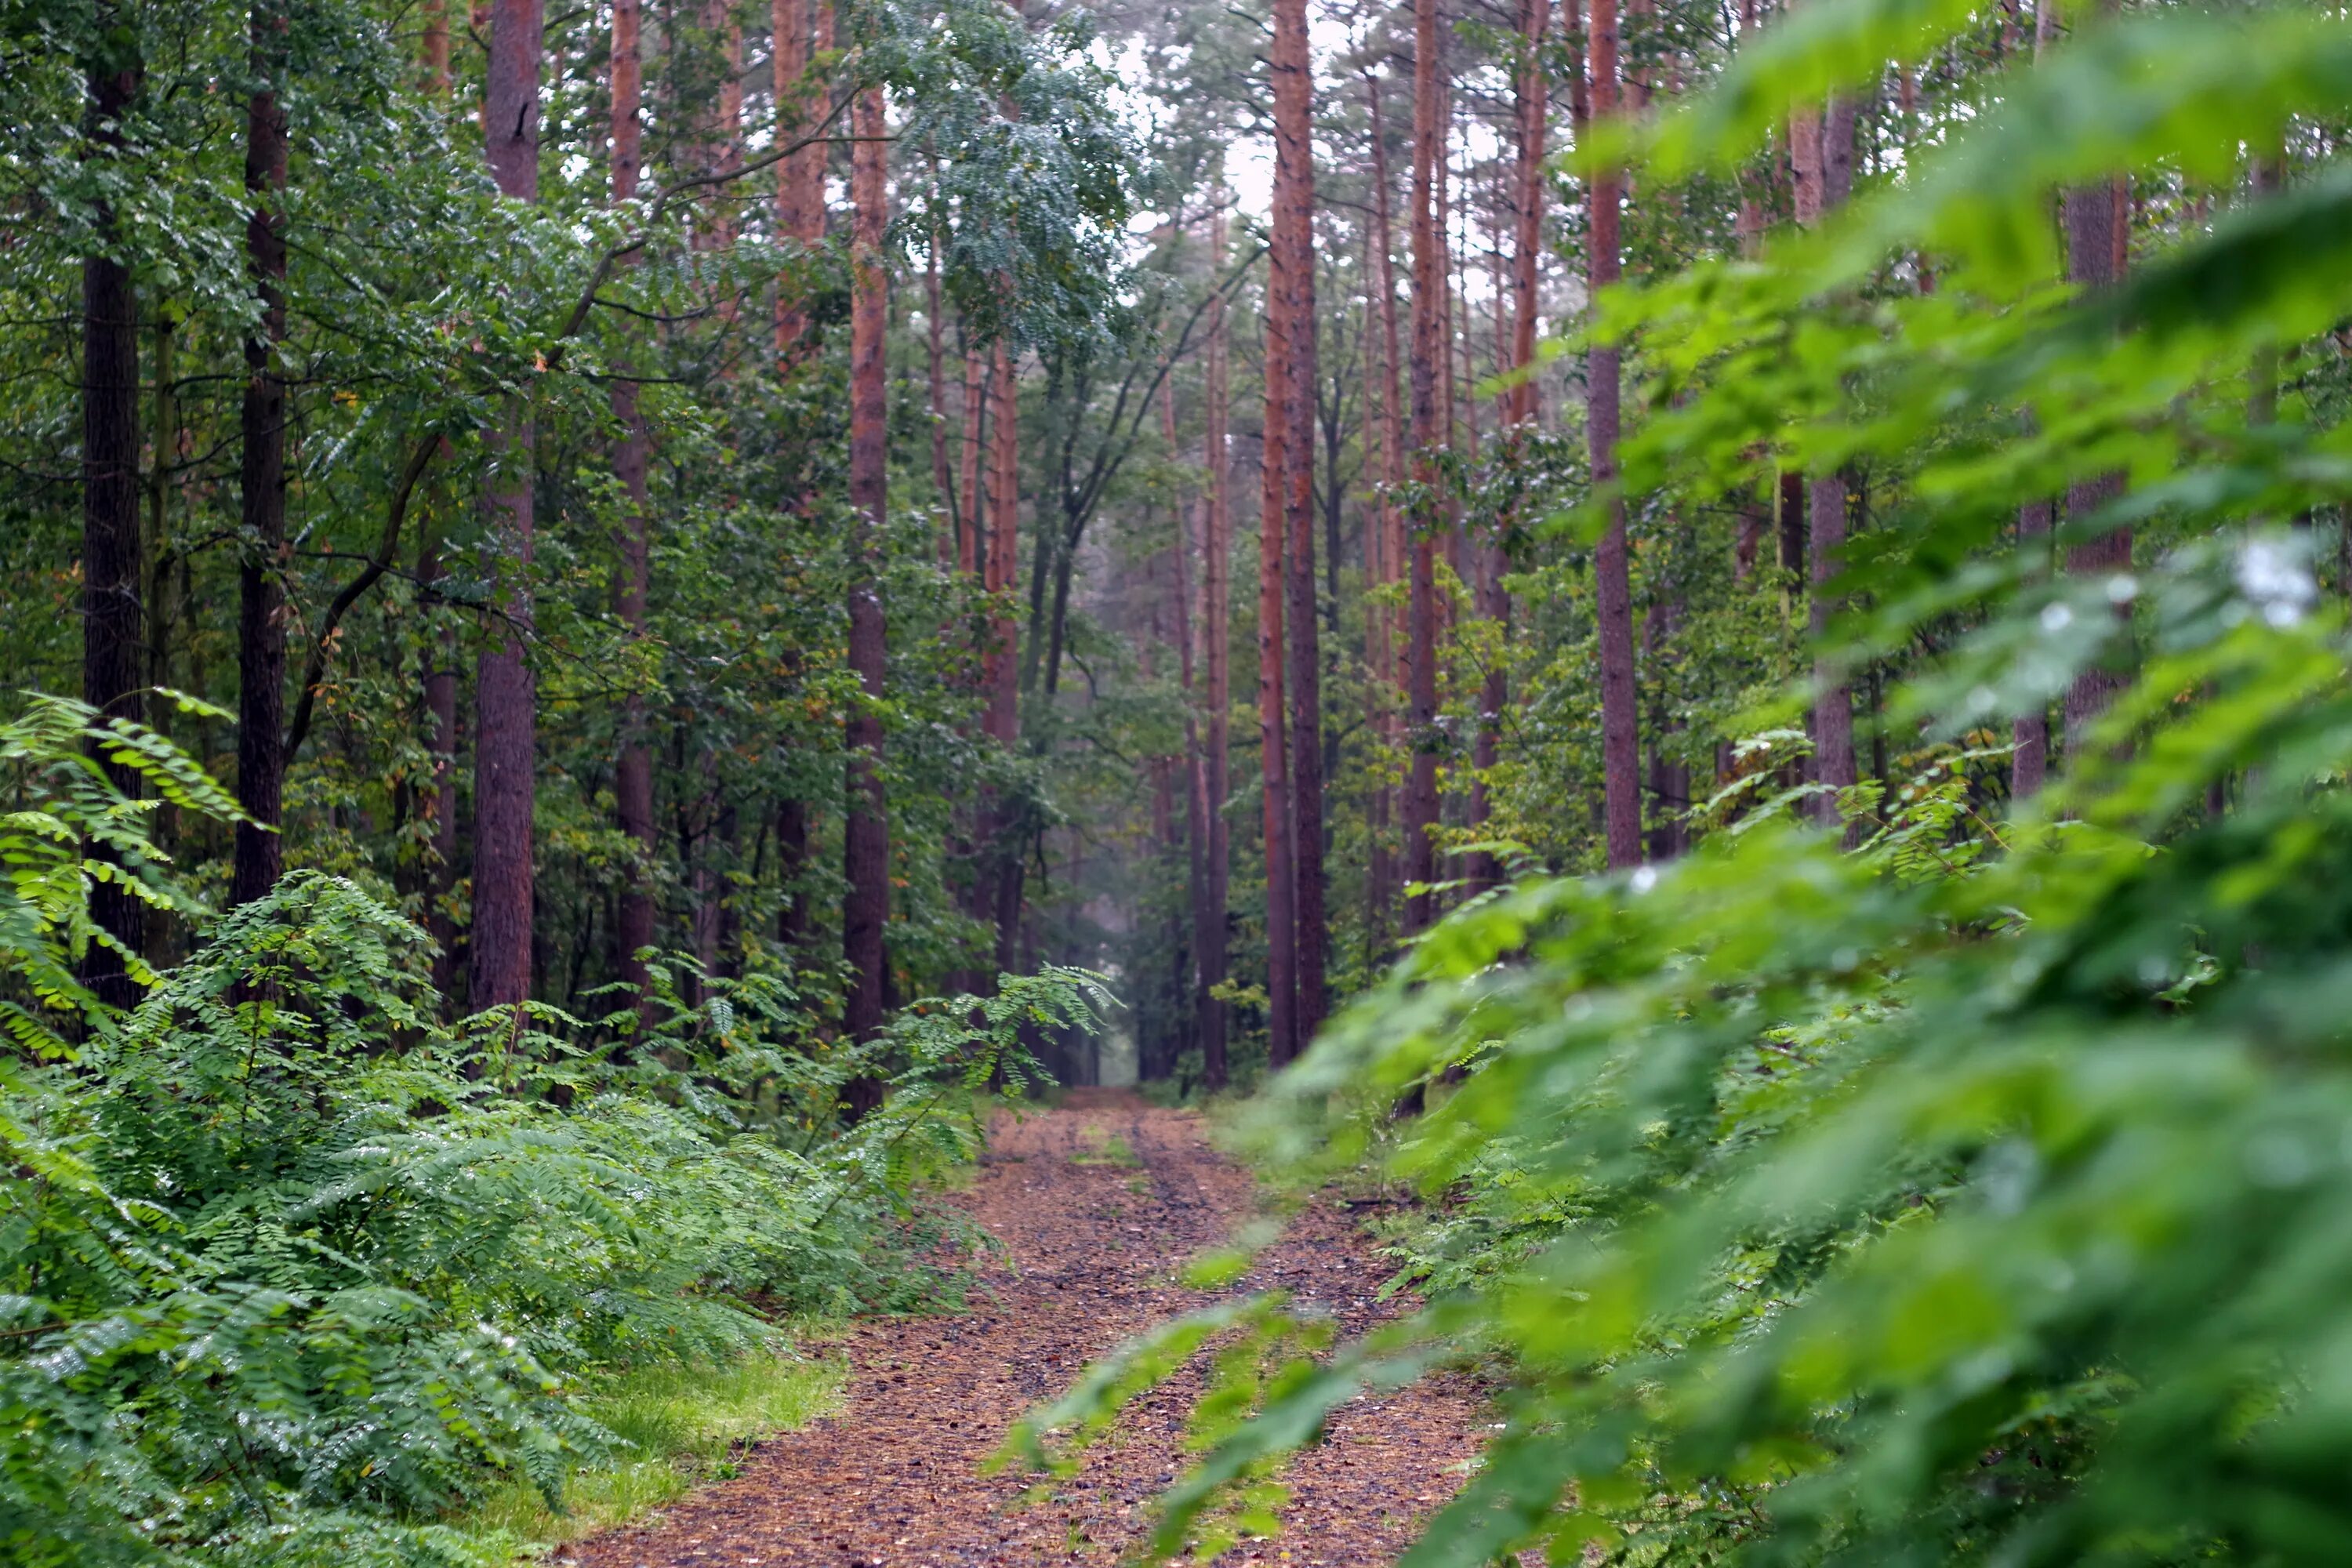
[1100, 1204]
[687, 1426]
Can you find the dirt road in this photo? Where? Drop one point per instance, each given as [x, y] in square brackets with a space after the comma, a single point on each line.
[1100, 1203]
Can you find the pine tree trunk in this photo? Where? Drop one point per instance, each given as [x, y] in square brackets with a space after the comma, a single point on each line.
[935, 346]
[971, 516]
[1534, 98]
[866, 907]
[632, 784]
[1273, 760]
[1388, 525]
[436, 30]
[1293, 271]
[437, 801]
[1621, 745]
[505, 700]
[1216, 635]
[1821, 150]
[113, 628]
[1519, 410]
[1199, 938]
[1430, 284]
[792, 868]
[261, 620]
[999, 667]
[799, 177]
[2097, 220]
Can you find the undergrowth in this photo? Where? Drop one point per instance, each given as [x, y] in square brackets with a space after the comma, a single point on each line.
[293, 1271]
[683, 1425]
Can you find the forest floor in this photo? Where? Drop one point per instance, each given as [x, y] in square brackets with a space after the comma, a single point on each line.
[1100, 1204]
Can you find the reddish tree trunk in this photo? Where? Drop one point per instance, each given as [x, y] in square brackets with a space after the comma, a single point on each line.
[261, 619]
[1292, 270]
[1519, 410]
[866, 857]
[971, 515]
[633, 786]
[1281, 885]
[1821, 150]
[1621, 745]
[435, 28]
[935, 345]
[1388, 526]
[113, 628]
[504, 701]
[1534, 98]
[2097, 225]
[1428, 349]
[1217, 636]
[2030, 763]
[1000, 670]
[799, 177]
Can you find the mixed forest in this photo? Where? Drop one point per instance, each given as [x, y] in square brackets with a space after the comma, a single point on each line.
[1699, 645]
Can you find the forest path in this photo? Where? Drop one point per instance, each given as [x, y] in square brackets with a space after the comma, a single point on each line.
[1100, 1203]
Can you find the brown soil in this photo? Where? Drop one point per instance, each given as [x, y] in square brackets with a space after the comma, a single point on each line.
[1097, 1233]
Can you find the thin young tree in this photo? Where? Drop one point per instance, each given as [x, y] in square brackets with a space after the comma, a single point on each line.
[2030, 732]
[1621, 747]
[1216, 593]
[1000, 672]
[261, 620]
[437, 800]
[633, 780]
[1387, 527]
[866, 834]
[1291, 273]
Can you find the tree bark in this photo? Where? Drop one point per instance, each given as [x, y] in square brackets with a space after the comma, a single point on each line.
[1281, 883]
[1388, 527]
[113, 627]
[437, 801]
[1292, 263]
[935, 346]
[1000, 670]
[866, 907]
[792, 866]
[2097, 222]
[1430, 284]
[1216, 638]
[1519, 410]
[1822, 151]
[506, 700]
[971, 515]
[1534, 99]
[2030, 735]
[633, 785]
[261, 611]
[800, 178]
[1620, 744]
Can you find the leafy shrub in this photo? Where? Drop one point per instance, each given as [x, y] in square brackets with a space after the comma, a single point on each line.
[1975, 1194]
[288, 1266]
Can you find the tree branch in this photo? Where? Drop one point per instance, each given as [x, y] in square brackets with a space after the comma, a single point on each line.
[315, 670]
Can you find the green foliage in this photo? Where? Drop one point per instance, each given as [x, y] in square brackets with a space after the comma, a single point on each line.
[288, 1269]
[681, 1424]
[1967, 1187]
